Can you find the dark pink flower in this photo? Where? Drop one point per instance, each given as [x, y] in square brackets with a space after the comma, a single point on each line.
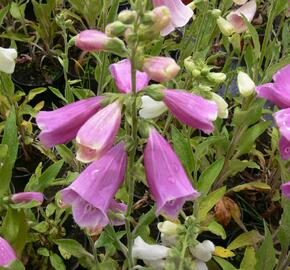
[286, 189]
[121, 72]
[278, 91]
[61, 125]
[24, 197]
[91, 195]
[191, 109]
[167, 179]
[284, 147]
[7, 254]
[282, 119]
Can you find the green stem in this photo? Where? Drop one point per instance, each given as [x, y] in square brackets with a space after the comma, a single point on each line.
[130, 169]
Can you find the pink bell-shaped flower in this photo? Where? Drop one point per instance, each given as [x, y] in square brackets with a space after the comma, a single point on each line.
[167, 179]
[180, 14]
[160, 69]
[191, 109]
[91, 195]
[236, 19]
[282, 119]
[121, 72]
[61, 125]
[286, 189]
[24, 197]
[97, 135]
[278, 91]
[284, 148]
[7, 254]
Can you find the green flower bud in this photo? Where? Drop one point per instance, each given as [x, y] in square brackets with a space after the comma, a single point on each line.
[216, 13]
[127, 16]
[225, 26]
[116, 46]
[217, 77]
[115, 29]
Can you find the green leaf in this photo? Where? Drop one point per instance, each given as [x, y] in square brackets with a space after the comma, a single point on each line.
[15, 265]
[43, 252]
[14, 229]
[41, 227]
[249, 117]
[224, 264]
[237, 166]
[65, 153]
[57, 93]
[249, 260]
[255, 37]
[209, 175]
[183, 149]
[48, 176]
[17, 11]
[284, 229]
[245, 239]
[250, 136]
[217, 229]
[3, 13]
[34, 92]
[251, 186]
[56, 262]
[10, 136]
[208, 202]
[266, 253]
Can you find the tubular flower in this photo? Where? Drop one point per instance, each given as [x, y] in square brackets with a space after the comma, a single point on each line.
[223, 111]
[236, 18]
[7, 60]
[92, 40]
[7, 254]
[284, 148]
[282, 119]
[180, 14]
[91, 194]
[286, 189]
[121, 72]
[161, 69]
[97, 135]
[278, 91]
[152, 255]
[23, 197]
[190, 109]
[61, 125]
[166, 177]
[151, 108]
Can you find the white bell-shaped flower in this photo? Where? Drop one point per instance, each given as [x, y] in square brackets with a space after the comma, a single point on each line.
[7, 60]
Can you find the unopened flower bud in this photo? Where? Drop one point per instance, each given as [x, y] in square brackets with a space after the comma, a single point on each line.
[223, 111]
[116, 46]
[127, 16]
[217, 77]
[195, 73]
[115, 29]
[168, 231]
[225, 26]
[216, 13]
[160, 69]
[205, 71]
[92, 40]
[240, 2]
[25, 197]
[245, 84]
[203, 251]
[162, 18]
[151, 108]
[189, 64]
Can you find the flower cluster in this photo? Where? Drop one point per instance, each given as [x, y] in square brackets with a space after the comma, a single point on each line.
[279, 93]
